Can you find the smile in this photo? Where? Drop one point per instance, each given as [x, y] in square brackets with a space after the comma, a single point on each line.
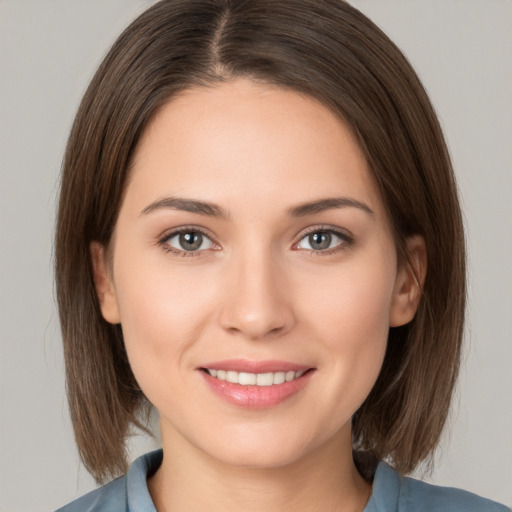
[256, 385]
[254, 379]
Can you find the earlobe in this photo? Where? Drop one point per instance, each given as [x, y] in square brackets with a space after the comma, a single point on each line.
[103, 283]
[409, 282]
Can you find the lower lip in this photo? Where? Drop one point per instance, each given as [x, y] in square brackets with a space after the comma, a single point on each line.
[256, 397]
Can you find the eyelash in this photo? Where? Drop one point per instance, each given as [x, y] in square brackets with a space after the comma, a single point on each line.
[346, 241]
[163, 242]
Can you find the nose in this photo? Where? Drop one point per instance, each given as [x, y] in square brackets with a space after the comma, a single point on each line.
[257, 301]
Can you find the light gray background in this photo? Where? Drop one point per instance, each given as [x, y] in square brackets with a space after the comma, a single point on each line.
[49, 49]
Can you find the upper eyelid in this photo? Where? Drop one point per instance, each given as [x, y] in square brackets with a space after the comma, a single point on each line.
[163, 241]
[325, 228]
[170, 233]
[346, 240]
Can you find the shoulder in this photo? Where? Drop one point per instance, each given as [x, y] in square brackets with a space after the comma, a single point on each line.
[128, 493]
[421, 496]
[109, 497]
[394, 493]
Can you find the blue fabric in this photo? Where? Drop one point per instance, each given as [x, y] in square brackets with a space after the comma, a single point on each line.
[391, 493]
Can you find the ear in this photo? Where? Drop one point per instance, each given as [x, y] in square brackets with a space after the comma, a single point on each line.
[409, 282]
[104, 284]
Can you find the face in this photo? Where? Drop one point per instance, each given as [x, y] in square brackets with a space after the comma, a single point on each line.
[254, 274]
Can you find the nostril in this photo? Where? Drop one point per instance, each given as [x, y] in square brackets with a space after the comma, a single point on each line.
[256, 317]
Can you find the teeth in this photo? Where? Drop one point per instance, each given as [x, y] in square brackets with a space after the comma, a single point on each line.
[247, 379]
[278, 378]
[232, 377]
[255, 379]
[264, 379]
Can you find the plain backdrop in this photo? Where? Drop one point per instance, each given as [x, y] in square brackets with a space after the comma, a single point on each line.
[462, 50]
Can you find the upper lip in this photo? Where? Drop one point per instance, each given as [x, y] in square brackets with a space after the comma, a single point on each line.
[248, 366]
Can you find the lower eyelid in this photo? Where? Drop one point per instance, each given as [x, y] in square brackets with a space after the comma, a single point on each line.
[163, 241]
[344, 238]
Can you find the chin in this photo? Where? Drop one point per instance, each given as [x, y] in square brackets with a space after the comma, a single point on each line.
[251, 458]
[264, 449]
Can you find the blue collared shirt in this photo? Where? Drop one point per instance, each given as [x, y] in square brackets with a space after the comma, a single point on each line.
[391, 493]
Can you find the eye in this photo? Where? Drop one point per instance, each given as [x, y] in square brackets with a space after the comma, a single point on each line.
[323, 240]
[189, 240]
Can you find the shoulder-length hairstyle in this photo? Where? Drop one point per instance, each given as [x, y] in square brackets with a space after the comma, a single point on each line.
[330, 51]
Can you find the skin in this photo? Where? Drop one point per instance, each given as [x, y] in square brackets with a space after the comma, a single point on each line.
[255, 290]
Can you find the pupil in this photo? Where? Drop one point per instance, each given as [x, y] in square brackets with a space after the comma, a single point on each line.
[191, 241]
[320, 240]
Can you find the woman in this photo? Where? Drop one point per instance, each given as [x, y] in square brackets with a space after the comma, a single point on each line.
[259, 234]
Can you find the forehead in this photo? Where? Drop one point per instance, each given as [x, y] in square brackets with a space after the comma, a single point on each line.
[252, 137]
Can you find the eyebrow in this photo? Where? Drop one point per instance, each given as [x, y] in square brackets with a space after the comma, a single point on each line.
[187, 205]
[321, 205]
[213, 210]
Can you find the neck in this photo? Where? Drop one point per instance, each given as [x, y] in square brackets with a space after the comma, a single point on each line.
[190, 480]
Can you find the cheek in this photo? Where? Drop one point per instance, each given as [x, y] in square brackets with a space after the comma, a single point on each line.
[162, 311]
[352, 303]
[350, 318]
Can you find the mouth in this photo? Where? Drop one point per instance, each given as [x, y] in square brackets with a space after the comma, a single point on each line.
[256, 385]
[255, 379]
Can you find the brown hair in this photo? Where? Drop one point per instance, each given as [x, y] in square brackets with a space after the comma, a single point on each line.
[330, 51]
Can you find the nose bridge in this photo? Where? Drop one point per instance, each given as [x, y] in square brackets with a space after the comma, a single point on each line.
[257, 302]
